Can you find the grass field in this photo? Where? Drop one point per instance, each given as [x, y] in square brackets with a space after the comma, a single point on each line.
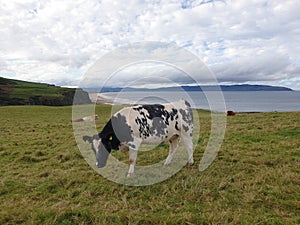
[44, 179]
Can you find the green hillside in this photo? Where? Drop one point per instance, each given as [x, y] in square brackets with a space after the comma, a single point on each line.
[16, 92]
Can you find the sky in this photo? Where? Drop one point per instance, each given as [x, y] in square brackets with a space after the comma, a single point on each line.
[241, 41]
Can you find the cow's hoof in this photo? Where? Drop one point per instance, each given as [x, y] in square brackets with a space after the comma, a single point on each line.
[190, 163]
[129, 175]
[167, 163]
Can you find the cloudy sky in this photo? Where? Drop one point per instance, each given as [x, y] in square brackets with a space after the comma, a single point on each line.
[241, 41]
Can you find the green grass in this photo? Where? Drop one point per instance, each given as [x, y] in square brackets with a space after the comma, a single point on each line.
[24, 89]
[45, 180]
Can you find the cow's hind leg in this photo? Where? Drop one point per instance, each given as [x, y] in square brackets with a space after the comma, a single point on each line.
[172, 149]
[188, 144]
[132, 158]
[133, 152]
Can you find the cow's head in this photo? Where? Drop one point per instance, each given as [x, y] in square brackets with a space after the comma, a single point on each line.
[102, 144]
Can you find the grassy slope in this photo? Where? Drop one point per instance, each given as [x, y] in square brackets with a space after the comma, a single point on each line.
[16, 92]
[24, 89]
[44, 179]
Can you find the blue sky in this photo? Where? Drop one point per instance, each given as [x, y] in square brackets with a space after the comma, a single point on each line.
[240, 41]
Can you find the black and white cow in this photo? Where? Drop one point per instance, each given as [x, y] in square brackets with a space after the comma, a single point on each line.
[145, 124]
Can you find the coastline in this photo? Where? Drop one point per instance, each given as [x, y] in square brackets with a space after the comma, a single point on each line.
[96, 98]
[100, 98]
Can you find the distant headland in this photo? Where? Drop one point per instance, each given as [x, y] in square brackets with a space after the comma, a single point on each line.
[240, 87]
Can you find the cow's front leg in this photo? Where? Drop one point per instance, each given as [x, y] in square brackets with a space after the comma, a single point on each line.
[132, 159]
[188, 143]
[172, 149]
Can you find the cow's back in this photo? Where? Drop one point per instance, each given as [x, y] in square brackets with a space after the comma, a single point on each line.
[155, 124]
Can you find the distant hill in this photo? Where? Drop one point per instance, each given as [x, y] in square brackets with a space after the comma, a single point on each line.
[16, 92]
[242, 87]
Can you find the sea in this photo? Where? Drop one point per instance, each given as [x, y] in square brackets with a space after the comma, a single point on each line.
[237, 101]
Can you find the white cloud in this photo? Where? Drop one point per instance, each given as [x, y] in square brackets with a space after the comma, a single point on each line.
[154, 74]
[57, 41]
[259, 67]
[151, 63]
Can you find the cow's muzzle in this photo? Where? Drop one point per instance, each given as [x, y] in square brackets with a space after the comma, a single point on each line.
[101, 157]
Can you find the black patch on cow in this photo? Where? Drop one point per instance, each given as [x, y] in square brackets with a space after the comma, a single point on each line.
[187, 103]
[176, 125]
[155, 110]
[108, 137]
[158, 126]
[131, 145]
[102, 156]
[186, 128]
[187, 116]
[160, 119]
[116, 131]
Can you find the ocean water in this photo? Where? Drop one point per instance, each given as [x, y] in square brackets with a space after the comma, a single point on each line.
[238, 101]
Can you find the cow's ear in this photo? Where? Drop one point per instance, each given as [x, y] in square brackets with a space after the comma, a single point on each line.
[96, 136]
[87, 138]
